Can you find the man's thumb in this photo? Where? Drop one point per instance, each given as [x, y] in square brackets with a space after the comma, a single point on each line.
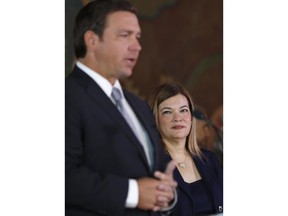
[170, 167]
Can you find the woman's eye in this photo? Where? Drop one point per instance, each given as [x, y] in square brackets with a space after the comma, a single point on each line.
[166, 112]
[184, 110]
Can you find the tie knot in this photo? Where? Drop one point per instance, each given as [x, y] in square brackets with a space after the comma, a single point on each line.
[116, 95]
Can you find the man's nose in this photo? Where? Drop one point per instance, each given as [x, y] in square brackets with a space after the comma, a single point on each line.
[135, 46]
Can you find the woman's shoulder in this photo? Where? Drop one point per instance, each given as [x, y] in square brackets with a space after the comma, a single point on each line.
[209, 155]
[207, 152]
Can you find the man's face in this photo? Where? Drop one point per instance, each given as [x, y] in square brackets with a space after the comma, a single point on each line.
[119, 48]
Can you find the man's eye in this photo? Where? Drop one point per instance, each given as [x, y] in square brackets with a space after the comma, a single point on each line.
[124, 35]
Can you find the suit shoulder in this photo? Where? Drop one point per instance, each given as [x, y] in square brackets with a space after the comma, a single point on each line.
[133, 96]
[136, 99]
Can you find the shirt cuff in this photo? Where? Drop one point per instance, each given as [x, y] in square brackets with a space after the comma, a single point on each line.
[133, 196]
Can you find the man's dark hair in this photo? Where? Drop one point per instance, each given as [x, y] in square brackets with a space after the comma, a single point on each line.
[93, 17]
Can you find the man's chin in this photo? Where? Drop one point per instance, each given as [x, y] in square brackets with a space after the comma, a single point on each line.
[126, 74]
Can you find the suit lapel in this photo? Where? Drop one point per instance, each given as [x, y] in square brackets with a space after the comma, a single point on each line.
[99, 96]
[143, 121]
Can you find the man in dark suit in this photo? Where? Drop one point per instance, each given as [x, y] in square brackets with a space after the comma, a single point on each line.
[114, 163]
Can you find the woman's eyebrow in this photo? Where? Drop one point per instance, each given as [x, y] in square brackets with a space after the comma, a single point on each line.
[165, 108]
[184, 106]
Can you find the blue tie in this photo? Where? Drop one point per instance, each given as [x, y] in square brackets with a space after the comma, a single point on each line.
[117, 97]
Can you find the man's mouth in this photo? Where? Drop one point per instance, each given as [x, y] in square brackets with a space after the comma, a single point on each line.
[130, 61]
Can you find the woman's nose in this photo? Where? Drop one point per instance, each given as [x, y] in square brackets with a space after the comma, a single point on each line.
[176, 118]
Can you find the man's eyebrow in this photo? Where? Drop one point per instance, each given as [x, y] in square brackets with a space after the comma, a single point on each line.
[138, 34]
[128, 30]
[125, 30]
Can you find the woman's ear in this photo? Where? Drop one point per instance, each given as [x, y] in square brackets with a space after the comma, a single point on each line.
[91, 40]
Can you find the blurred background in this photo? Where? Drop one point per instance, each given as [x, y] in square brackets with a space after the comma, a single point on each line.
[182, 41]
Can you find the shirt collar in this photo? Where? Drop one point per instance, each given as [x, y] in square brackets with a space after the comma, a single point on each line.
[104, 84]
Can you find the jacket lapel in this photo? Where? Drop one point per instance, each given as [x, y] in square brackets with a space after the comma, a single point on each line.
[145, 124]
[204, 170]
[99, 96]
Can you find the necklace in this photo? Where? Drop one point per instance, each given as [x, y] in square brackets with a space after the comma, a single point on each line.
[182, 164]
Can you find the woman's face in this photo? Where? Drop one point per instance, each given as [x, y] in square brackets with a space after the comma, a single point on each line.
[174, 118]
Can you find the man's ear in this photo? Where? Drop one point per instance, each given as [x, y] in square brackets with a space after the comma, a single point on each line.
[91, 40]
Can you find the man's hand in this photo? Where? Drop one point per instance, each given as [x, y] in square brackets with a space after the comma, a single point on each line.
[155, 194]
[167, 186]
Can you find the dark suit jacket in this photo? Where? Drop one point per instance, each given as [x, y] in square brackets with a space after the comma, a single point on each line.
[212, 175]
[101, 151]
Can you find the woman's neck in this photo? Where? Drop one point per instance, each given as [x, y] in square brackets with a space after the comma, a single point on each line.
[175, 147]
